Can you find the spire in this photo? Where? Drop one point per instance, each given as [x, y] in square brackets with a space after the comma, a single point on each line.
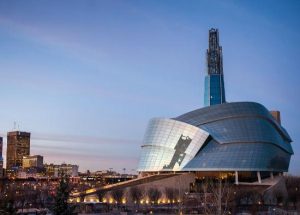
[214, 53]
[214, 80]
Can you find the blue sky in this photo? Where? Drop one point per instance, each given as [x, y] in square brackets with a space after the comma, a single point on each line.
[84, 77]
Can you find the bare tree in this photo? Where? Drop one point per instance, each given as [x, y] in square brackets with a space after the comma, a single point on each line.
[117, 195]
[136, 194]
[216, 196]
[8, 200]
[279, 196]
[153, 194]
[171, 194]
[293, 189]
[100, 195]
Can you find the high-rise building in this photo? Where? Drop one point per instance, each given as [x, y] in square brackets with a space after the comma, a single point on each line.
[214, 92]
[1, 158]
[34, 161]
[18, 146]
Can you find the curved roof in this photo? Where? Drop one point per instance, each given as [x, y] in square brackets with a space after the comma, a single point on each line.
[238, 136]
[230, 110]
[239, 122]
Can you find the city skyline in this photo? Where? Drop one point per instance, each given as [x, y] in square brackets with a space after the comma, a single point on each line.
[82, 73]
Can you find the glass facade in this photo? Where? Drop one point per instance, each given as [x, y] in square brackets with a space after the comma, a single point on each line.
[240, 157]
[239, 136]
[169, 145]
[214, 92]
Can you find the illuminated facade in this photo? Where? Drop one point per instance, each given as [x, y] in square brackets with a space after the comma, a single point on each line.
[54, 170]
[18, 146]
[34, 161]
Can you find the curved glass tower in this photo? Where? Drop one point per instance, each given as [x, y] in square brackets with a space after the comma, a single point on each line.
[214, 92]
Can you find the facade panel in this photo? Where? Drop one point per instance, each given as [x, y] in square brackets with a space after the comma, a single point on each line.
[169, 145]
[240, 157]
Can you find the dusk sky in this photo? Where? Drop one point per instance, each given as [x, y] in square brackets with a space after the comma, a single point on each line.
[85, 77]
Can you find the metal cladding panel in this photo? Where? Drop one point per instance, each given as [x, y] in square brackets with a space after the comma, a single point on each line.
[246, 130]
[226, 111]
[169, 145]
[243, 136]
[240, 157]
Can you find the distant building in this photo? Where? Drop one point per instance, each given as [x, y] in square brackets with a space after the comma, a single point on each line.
[53, 170]
[34, 161]
[276, 115]
[18, 146]
[1, 158]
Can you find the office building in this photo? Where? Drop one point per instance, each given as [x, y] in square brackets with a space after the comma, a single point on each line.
[1, 158]
[34, 161]
[18, 146]
[54, 170]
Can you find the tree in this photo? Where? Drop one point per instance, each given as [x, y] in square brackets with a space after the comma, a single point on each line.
[7, 202]
[61, 206]
[171, 193]
[153, 194]
[100, 195]
[293, 189]
[217, 194]
[279, 196]
[117, 195]
[136, 194]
